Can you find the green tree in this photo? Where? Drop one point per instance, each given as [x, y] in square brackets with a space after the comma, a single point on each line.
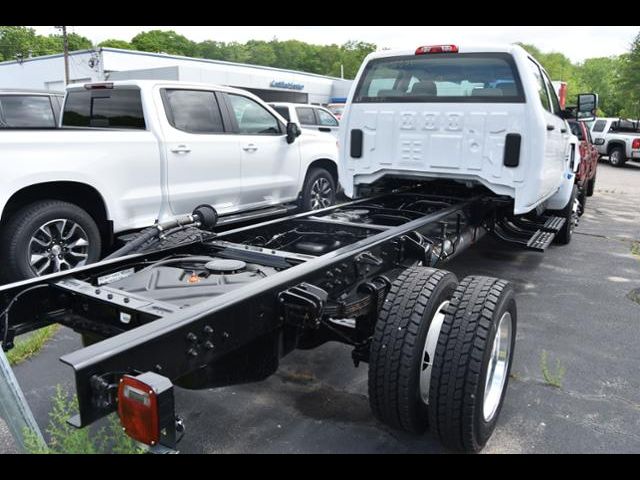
[115, 43]
[17, 40]
[629, 82]
[352, 55]
[260, 53]
[211, 49]
[163, 41]
[601, 75]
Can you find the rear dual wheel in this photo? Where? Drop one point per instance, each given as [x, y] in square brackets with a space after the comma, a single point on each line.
[441, 355]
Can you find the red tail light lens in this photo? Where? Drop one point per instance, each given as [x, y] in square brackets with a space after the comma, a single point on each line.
[138, 410]
[437, 49]
[636, 144]
[145, 408]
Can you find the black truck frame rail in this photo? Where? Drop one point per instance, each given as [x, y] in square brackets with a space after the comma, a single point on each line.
[331, 271]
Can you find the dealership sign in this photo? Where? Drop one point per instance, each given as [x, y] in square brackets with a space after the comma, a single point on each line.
[287, 85]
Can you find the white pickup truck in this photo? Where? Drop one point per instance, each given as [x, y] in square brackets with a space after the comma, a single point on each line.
[131, 153]
[479, 116]
[617, 139]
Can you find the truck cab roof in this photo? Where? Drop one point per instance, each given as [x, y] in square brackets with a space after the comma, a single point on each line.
[149, 84]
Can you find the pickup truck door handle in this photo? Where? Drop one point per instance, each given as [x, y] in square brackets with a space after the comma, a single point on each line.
[564, 130]
[551, 128]
[181, 149]
[250, 148]
[325, 129]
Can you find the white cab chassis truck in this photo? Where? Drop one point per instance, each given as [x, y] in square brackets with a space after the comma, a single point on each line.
[479, 116]
[457, 144]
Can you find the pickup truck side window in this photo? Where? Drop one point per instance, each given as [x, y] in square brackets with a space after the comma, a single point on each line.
[105, 108]
[542, 89]
[284, 112]
[193, 111]
[326, 119]
[22, 111]
[306, 116]
[442, 78]
[598, 127]
[576, 130]
[253, 118]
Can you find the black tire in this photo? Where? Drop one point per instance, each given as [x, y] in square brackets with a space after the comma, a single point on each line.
[20, 228]
[617, 157]
[565, 235]
[461, 363]
[316, 176]
[397, 348]
[591, 186]
[582, 199]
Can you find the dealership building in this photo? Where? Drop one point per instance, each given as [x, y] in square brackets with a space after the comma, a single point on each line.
[110, 64]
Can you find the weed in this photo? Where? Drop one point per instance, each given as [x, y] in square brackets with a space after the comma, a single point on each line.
[29, 345]
[551, 378]
[67, 439]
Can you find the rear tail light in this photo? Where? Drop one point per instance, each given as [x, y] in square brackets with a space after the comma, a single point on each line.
[636, 144]
[145, 408]
[437, 49]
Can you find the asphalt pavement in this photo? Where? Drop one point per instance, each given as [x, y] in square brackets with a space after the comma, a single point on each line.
[578, 303]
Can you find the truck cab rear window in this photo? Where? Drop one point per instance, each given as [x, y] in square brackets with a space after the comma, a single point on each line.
[117, 108]
[24, 111]
[454, 78]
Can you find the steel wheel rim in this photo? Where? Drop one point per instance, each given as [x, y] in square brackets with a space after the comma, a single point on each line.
[321, 194]
[56, 246]
[428, 351]
[615, 157]
[575, 215]
[498, 367]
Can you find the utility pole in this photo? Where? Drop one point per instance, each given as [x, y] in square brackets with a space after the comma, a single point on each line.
[65, 43]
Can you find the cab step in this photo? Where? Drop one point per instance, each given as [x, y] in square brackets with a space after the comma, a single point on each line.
[553, 224]
[541, 240]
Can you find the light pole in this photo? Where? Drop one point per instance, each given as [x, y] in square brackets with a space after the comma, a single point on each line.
[65, 44]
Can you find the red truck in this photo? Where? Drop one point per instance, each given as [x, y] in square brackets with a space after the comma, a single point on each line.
[586, 175]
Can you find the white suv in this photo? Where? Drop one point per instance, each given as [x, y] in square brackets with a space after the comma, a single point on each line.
[309, 117]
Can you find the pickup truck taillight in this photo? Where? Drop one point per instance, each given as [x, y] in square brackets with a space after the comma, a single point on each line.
[145, 408]
[636, 144]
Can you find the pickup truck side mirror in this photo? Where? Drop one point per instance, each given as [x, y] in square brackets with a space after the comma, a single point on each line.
[587, 106]
[293, 132]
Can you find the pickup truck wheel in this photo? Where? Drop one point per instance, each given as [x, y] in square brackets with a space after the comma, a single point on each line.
[319, 190]
[48, 237]
[472, 363]
[617, 157]
[591, 186]
[571, 214]
[400, 357]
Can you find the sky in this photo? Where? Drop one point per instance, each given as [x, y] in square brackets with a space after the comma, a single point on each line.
[576, 42]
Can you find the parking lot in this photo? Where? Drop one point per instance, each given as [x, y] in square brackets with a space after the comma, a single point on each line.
[583, 316]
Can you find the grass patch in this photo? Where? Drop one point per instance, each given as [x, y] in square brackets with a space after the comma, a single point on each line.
[553, 379]
[635, 249]
[30, 344]
[67, 439]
